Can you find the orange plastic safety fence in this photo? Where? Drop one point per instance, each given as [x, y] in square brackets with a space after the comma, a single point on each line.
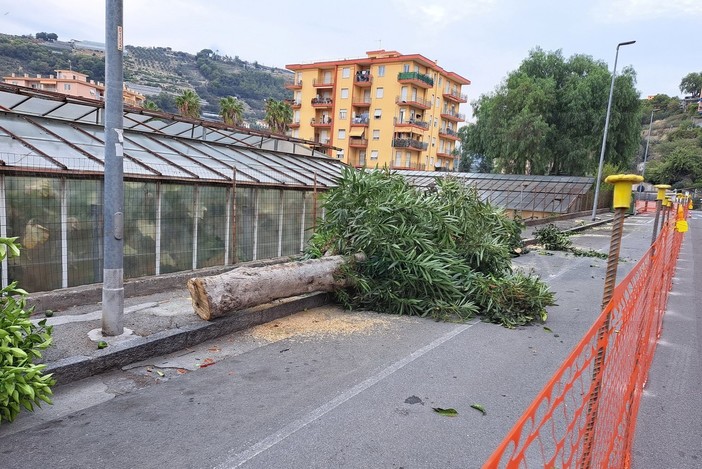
[562, 428]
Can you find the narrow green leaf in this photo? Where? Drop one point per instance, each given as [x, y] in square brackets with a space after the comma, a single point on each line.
[548, 329]
[479, 408]
[445, 412]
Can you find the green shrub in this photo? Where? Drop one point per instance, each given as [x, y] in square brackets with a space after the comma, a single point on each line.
[22, 383]
[427, 253]
[553, 239]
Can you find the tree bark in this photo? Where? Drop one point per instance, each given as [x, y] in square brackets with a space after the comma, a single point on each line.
[245, 287]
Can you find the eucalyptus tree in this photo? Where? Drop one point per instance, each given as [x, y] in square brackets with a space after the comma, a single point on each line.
[547, 117]
[231, 110]
[188, 104]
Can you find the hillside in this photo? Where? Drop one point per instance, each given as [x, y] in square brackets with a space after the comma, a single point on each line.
[162, 69]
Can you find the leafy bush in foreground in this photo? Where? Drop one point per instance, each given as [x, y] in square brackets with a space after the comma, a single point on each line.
[22, 383]
[443, 253]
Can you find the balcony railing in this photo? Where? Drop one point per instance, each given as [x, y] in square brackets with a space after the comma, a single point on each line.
[360, 120]
[443, 154]
[425, 81]
[414, 102]
[294, 124]
[322, 83]
[295, 104]
[454, 95]
[411, 123]
[296, 85]
[363, 78]
[358, 142]
[448, 133]
[321, 102]
[412, 166]
[361, 102]
[452, 115]
[323, 122]
[409, 143]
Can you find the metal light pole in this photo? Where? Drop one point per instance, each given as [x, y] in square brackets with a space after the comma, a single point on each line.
[113, 242]
[648, 137]
[606, 127]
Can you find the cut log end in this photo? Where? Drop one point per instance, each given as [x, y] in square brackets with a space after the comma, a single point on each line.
[198, 294]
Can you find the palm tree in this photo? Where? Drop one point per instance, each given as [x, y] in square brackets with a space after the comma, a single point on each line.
[279, 115]
[150, 106]
[188, 104]
[231, 110]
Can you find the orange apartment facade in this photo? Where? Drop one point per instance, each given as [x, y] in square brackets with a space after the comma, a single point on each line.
[72, 83]
[386, 109]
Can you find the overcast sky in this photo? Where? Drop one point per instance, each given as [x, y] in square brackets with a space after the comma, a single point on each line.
[482, 40]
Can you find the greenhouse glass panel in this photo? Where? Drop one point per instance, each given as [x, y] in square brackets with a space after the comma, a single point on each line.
[292, 222]
[177, 225]
[212, 225]
[84, 231]
[34, 215]
[268, 223]
[245, 221]
[140, 228]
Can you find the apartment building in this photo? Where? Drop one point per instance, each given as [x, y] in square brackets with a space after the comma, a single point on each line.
[72, 83]
[386, 109]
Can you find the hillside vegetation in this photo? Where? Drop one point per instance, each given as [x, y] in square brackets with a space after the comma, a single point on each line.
[211, 75]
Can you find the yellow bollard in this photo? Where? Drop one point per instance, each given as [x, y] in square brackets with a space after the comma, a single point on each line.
[661, 190]
[660, 197]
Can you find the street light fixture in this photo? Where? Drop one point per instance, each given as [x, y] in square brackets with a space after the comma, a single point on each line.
[648, 138]
[606, 127]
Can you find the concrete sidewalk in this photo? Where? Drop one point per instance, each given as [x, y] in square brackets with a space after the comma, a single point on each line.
[159, 317]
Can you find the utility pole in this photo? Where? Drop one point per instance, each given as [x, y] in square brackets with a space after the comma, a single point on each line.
[113, 242]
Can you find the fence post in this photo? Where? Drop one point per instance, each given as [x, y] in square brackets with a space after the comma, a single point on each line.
[622, 202]
[659, 200]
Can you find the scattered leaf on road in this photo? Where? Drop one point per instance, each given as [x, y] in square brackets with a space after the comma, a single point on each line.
[445, 412]
[181, 371]
[479, 408]
[160, 373]
[207, 362]
[548, 329]
[102, 344]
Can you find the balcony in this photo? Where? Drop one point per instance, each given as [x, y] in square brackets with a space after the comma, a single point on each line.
[294, 104]
[357, 142]
[455, 96]
[322, 102]
[361, 102]
[358, 162]
[448, 133]
[418, 103]
[360, 121]
[415, 78]
[323, 122]
[294, 85]
[415, 123]
[443, 154]
[411, 166]
[409, 143]
[453, 116]
[363, 79]
[294, 125]
[323, 83]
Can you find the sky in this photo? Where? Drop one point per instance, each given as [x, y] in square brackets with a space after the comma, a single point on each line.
[482, 40]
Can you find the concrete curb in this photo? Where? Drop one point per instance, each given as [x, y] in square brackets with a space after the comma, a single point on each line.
[141, 348]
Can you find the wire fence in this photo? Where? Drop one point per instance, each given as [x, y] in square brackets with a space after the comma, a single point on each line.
[170, 225]
[561, 428]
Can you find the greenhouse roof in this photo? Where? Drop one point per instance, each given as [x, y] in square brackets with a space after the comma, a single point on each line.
[50, 132]
[515, 192]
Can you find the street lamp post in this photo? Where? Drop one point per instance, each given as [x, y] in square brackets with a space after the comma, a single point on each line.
[648, 137]
[606, 127]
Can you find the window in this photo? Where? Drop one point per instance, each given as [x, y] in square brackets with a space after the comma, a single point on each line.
[66, 86]
[433, 141]
[379, 92]
[381, 70]
[345, 72]
[342, 114]
[438, 102]
[440, 80]
[376, 134]
[398, 158]
[344, 93]
[378, 113]
[340, 154]
[436, 122]
[416, 68]
[405, 68]
[374, 154]
[342, 134]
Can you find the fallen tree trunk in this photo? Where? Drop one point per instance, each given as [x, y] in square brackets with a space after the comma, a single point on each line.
[252, 286]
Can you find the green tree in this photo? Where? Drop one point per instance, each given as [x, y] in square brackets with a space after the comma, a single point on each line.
[231, 110]
[691, 84]
[279, 115]
[547, 117]
[150, 105]
[188, 104]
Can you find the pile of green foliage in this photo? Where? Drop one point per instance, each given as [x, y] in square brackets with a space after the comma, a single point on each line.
[442, 253]
[22, 383]
[553, 239]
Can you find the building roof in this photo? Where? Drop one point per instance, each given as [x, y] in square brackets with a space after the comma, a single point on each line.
[553, 194]
[42, 131]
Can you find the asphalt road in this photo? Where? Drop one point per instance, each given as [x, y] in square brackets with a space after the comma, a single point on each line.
[313, 399]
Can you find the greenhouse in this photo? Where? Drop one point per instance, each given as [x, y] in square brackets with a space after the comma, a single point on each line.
[197, 194]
